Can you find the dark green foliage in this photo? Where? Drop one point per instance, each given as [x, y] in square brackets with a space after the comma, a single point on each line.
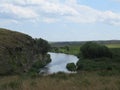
[55, 49]
[94, 50]
[40, 63]
[98, 64]
[116, 54]
[71, 67]
[91, 65]
[111, 65]
[42, 46]
[66, 48]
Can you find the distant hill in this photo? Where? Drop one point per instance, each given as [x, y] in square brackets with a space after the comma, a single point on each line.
[61, 44]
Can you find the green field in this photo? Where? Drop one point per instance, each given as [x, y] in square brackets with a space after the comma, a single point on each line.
[113, 45]
[75, 49]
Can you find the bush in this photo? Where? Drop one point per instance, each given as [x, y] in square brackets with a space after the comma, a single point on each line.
[42, 45]
[94, 50]
[40, 64]
[71, 67]
[98, 64]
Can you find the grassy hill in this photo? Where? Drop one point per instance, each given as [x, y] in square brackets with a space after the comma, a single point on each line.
[18, 52]
[78, 43]
[73, 47]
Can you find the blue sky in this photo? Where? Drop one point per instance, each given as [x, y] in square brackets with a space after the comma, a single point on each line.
[63, 20]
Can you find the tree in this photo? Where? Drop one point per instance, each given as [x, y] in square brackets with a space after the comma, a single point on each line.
[71, 67]
[94, 50]
[42, 46]
[67, 48]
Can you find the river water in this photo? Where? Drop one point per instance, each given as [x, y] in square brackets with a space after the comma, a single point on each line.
[58, 63]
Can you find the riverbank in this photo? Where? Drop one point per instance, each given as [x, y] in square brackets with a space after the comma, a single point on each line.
[96, 64]
[61, 81]
[58, 63]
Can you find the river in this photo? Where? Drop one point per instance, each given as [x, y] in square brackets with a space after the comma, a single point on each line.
[58, 63]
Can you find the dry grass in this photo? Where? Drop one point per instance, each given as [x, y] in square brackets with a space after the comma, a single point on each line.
[82, 81]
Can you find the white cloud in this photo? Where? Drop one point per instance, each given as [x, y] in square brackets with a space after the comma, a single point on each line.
[17, 11]
[51, 11]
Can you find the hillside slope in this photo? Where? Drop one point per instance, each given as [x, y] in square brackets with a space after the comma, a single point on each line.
[18, 52]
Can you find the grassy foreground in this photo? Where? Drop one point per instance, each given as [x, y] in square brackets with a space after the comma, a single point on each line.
[61, 81]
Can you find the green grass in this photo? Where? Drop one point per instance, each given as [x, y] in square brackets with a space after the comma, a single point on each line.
[75, 49]
[100, 64]
[113, 45]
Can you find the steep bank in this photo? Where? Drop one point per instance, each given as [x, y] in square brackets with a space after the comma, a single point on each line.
[18, 52]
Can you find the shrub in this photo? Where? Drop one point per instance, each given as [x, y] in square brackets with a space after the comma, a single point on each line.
[71, 67]
[94, 50]
[98, 64]
[42, 46]
[40, 64]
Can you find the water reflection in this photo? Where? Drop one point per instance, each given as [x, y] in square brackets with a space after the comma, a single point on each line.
[58, 63]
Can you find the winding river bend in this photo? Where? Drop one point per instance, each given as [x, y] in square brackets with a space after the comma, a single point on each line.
[58, 63]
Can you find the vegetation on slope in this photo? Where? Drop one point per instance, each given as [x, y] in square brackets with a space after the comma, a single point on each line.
[18, 52]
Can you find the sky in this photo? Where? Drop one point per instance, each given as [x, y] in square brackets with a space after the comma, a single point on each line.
[63, 20]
